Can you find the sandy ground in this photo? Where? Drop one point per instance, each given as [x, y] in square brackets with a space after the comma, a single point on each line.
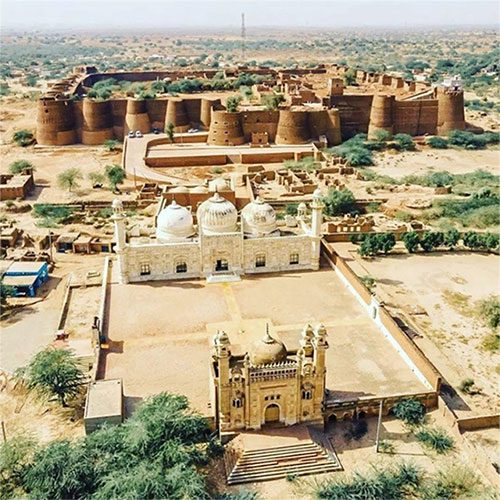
[438, 293]
[455, 161]
[160, 330]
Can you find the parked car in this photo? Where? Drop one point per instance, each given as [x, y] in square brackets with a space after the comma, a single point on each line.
[131, 134]
[138, 133]
[192, 130]
[156, 130]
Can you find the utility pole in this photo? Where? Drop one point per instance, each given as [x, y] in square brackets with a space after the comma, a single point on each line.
[243, 36]
[379, 423]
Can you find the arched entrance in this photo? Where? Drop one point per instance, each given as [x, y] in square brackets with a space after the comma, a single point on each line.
[272, 414]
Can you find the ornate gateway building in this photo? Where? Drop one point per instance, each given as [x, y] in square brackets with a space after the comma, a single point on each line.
[269, 384]
[222, 246]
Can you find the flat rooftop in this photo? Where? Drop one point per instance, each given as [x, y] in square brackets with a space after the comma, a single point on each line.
[104, 399]
[160, 333]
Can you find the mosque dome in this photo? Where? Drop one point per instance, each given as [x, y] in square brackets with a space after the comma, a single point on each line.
[218, 184]
[174, 222]
[179, 189]
[217, 215]
[199, 189]
[258, 218]
[268, 350]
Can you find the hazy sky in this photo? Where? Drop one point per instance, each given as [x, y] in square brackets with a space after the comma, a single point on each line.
[158, 14]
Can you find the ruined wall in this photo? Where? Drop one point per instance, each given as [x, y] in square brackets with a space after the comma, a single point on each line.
[415, 117]
[56, 124]
[119, 110]
[450, 110]
[157, 109]
[225, 129]
[259, 122]
[354, 113]
[206, 107]
[325, 122]
[293, 127]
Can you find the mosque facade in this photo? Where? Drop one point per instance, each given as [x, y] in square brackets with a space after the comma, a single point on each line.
[222, 244]
[269, 384]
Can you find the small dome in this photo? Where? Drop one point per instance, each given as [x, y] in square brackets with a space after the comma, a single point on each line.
[217, 215]
[317, 194]
[199, 189]
[258, 218]
[267, 351]
[218, 184]
[179, 189]
[174, 222]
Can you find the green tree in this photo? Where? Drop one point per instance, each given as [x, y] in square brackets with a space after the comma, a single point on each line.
[15, 456]
[436, 142]
[338, 202]
[491, 241]
[23, 138]
[405, 142]
[472, 240]
[232, 103]
[69, 178]
[246, 92]
[19, 166]
[272, 101]
[370, 245]
[451, 238]
[5, 293]
[170, 131]
[60, 470]
[115, 175]
[111, 145]
[54, 372]
[411, 241]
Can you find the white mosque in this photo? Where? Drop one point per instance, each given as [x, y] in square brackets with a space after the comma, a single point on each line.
[222, 246]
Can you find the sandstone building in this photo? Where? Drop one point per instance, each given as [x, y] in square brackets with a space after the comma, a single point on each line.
[219, 247]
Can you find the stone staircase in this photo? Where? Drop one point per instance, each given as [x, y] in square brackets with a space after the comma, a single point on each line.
[280, 461]
[223, 277]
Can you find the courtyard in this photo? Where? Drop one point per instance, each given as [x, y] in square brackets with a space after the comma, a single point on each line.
[160, 334]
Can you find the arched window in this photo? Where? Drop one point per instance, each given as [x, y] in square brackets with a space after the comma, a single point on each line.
[260, 260]
[294, 258]
[306, 394]
[181, 266]
[237, 403]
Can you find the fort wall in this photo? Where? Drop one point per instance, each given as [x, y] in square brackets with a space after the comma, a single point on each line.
[137, 117]
[56, 122]
[225, 129]
[96, 122]
[293, 127]
[177, 115]
[450, 110]
[381, 115]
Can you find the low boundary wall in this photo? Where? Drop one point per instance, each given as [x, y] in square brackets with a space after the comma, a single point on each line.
[414, 357]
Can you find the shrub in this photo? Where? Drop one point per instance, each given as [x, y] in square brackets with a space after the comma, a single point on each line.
[232, 103]
[57, 213]
[491, 342]
[291, 209]
[489, 310]
[411, 241]
[23, 138]
[405, 142]
[436, 439]
[410, 411]
[111, 145]
[339, 202]
[69, 178]
[454, 481]
[20, 166]
[115, 175]
[466, 385]
[381, 135]
[431, 240]
[368, 281]
[451, 238]
[436, 142]
[466, 140]
[356, 430]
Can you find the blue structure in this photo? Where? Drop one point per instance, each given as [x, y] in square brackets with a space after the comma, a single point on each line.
[24, 278]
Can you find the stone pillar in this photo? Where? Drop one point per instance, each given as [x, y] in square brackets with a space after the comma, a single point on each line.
[320, 346]
[118, 218]
[315, 231]
[223, 354]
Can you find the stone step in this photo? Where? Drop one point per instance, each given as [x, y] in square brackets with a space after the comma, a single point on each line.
[307, 469]
[279, 458]
[281, 448]
[267, 467]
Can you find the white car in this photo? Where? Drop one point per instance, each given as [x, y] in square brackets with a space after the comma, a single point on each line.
[192, 130]
[131, 134]
[138, 133]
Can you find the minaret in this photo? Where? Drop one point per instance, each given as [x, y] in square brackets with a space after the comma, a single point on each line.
[222, 355]
[118, 218]
[315, 231]
[320, 346]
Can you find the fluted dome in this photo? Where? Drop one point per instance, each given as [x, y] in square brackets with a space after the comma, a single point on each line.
[174, 222]
[267, 351]
[258, 218]
[217, 215]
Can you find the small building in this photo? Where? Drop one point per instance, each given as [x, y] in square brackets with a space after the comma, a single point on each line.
[16, 186]
[104, 404]
[65, 242]
[26, 277]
